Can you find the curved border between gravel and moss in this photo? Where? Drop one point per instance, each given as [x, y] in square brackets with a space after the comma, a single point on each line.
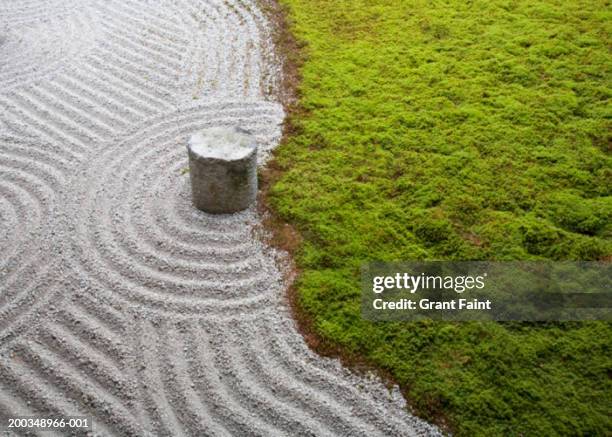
[472, 379]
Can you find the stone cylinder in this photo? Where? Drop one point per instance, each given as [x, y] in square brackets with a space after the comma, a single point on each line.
[223, 169]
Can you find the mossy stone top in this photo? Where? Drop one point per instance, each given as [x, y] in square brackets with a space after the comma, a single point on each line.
[228, 144]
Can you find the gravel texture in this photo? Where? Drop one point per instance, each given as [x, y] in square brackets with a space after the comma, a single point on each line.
[118, 299]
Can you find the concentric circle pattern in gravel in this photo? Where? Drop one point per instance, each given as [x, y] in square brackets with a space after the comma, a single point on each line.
[119, 300]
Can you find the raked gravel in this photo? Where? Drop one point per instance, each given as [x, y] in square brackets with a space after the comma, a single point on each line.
[118, 299]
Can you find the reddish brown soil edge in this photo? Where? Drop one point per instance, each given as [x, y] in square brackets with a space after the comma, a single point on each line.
[286, 237]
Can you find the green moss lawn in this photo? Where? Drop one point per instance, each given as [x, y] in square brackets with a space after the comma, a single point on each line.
[457, 130]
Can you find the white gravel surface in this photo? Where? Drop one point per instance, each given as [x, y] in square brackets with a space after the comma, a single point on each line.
[118, 299]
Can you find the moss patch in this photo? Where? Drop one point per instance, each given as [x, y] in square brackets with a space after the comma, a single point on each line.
[456, 130]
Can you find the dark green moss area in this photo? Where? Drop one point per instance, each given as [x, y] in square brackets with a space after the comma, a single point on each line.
[457, 130]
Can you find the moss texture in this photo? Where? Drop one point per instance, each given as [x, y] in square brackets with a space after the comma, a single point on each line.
[456, 130]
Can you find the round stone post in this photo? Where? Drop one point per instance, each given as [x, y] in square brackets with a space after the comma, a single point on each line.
[223, 169]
